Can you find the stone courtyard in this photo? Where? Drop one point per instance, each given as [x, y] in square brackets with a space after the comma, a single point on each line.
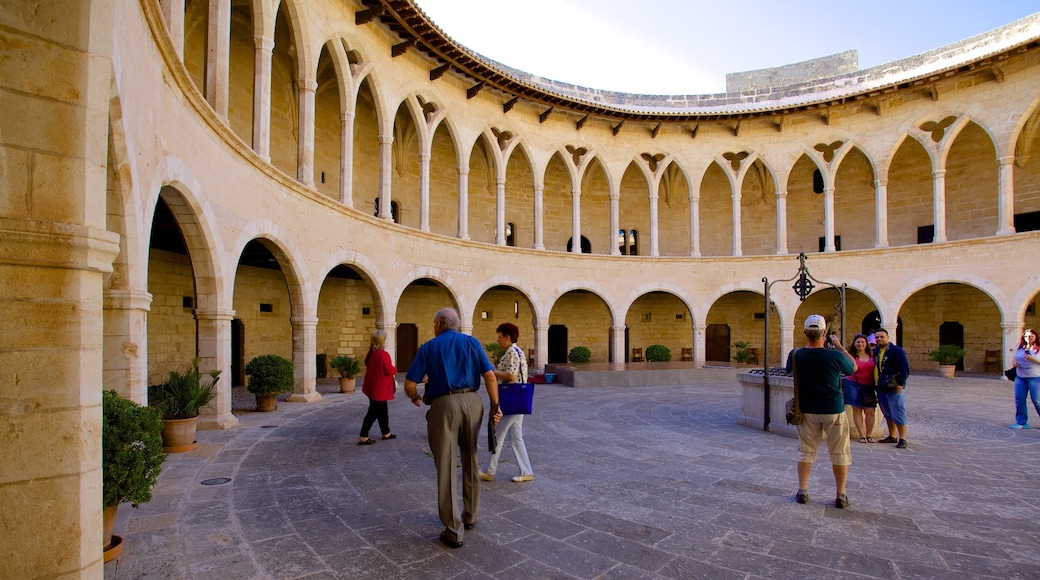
[637, 482]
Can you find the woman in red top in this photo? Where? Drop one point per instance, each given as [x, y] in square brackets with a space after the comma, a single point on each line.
[859, 389]
[379, 387]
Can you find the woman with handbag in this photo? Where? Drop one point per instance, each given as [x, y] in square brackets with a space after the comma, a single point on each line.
[512, 368]
[860, 391]
[1027, 379]
[379, 387]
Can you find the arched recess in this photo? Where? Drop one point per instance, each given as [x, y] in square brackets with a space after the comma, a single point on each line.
[196, 27]
[520, 197]
[483, 192]
[805, 208]
[404, 163]
[241, 75]
[926, 310]
[505, 304]
[595, 208]
[579, 317]
[633, 213]
[285, 97]
[659, 318]
[416, 307]
[673, 212]
[328, 134]
[556, 205]
[367, 163]
[444, 182]
[758, 211]
[855, 209]
[971, 185]
[716, 213]
[738, 317]
[348, 311]
[910, 198]
[826, 302]
[1027, 174]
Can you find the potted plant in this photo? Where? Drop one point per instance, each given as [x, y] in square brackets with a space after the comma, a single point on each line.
[348, 368]
[579, 355]
[947, 355]
[495, 352]
[269, 375]
[131, 459]
[179, 399]
[742, 351]
[658, 353]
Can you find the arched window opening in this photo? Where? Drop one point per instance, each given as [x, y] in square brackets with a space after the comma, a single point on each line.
[394, 210]
[511, 234]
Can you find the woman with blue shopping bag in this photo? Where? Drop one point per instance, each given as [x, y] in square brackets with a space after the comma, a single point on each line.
[512, 368]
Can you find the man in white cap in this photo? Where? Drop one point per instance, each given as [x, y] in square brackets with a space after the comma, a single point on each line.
[818, 371]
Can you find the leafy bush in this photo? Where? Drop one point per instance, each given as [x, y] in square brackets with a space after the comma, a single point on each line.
[347, 366]
[743, 351]
[131, 450]
[495, 351]
[658, 353]
[580, 355]
[183, 395]
[270, 374]
[947, 354]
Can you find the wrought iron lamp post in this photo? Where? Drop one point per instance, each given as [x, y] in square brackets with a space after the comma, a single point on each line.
[803, 287]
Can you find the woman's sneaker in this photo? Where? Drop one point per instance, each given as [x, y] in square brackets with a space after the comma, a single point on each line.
[1017, 426]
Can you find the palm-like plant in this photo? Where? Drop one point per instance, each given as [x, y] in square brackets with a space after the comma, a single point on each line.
[183, 395]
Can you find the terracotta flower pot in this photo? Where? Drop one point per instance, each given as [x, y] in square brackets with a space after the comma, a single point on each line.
[946, 371]
[113, 544]
[179, 435]
[266, 403]
[347, 385]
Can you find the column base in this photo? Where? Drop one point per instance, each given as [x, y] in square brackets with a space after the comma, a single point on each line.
[217, 422]
[304, 397]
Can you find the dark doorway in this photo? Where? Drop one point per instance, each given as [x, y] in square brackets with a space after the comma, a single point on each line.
[586, 245]
[628, 353]
[238, 353]
[953, 333]
[557, 344]
[872, 322]
[716, 346]
[407, 344]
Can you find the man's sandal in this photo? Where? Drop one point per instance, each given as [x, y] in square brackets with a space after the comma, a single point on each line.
[863, 440]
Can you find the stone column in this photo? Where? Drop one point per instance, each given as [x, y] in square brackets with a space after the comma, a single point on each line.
[617, 336]
[615, 223]
[939, 207]
[126, 343]
[305, 146]
[781, 222]
[262, 97]
[386, 163]
[695, 224]
[787, 340]
[541, 345]
[424, 191]
[304, 340]
[218, 56]
[1012, 331]
[700, 343]
[390, 328]
[500, 211]
[55, 253]
[214, 347]
[1006, 195]
[346, 160]
[576, 221]
[738, 249]
[655, 247]
[463, 204]
[881, 196]
[828, 219]
[539, 216]
[173, 16]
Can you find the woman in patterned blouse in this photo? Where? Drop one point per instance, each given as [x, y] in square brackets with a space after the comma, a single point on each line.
[512, 368]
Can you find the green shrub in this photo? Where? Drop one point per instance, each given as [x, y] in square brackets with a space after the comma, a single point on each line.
[947, 354]
[743, 351]
[580, 355]
[270, 374]
[658, 353]
[131, 450]
[347, 366]
[183, 395]
[495, 351]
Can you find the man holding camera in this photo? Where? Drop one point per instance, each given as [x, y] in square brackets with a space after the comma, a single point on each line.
[818, 369]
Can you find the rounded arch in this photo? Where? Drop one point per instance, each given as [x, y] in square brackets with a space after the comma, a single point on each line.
[290, 259]
[583, 285]
[442, 278]
[516, 283]
[366, 268]
[978, 282]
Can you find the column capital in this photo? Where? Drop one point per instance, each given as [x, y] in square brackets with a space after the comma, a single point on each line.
[1006, 160]
[385, 139]
[226, 315]
[128, 300]
[880, 182]
[304, 320]
[264, 43]
[937, 173]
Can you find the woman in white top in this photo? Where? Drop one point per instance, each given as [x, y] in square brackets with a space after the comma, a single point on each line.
[512, 368]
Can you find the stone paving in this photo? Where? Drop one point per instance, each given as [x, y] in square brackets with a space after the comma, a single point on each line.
[638, 482]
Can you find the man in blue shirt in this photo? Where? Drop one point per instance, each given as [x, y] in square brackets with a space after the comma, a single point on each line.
[452, 365]
[818, 371]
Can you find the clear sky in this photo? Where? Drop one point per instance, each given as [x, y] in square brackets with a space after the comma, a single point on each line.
[688, 46]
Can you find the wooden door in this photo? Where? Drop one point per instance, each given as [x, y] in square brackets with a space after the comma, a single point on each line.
[407, 345]
[716, 347]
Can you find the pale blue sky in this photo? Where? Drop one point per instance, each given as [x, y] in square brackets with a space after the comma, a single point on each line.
[688, 46]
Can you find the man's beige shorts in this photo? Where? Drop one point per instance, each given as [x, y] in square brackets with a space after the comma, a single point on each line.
[815, 427]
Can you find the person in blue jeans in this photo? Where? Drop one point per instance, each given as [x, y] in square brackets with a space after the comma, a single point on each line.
[1027, 363]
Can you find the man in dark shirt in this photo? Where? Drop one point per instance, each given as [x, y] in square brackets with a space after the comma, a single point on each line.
[818, 371]
[452, 364]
